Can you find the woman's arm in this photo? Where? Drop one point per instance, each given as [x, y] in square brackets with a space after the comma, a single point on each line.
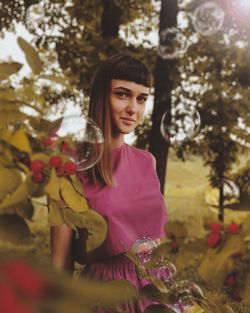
[61, 242]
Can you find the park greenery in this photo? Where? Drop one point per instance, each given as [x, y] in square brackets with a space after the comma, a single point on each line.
[68, 43]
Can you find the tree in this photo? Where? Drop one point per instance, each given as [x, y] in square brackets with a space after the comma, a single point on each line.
[162, 96]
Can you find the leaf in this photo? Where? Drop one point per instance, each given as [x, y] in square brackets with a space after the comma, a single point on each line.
[7, 69]
[19, 195]
[55, 213]
[41, 156]
[7, 94]
[117, 291]
[10, 180]
[31, 55]
[45, 126]
[57, 79]
[177, 228]
[25, 209]
[10, 116]
[13, 229]
[153, 293]
[21, 141]
[52, 188]
[158, 308]
[71, 197]
[90, 220]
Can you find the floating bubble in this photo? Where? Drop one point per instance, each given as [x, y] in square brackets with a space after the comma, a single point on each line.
[208, 18]
[179, 125]
[34, 15]
[143, 248]
[239, 9]
[164, 270]
[173, 44]
[82, 138]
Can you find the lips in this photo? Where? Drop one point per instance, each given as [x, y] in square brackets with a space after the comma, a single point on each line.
[127, 119]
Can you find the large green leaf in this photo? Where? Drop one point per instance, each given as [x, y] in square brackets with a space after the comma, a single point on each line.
[71, 197]
[10, 180]
[20, 141]
[25, 209]
[53, 187]
[90, 220]
[55, 213]
[19, 195]
[31, 55]
[10, 115]
[7, 69]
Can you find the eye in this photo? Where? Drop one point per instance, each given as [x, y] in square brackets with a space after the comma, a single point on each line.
[122, 94]
[142, 99]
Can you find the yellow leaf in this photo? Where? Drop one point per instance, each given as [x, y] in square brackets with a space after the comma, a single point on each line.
[7, 69]
[40, 156]
[57, 79]
[55, 214]
[52, 188]
[10, 116]
[90, 220]
[31, 55]
[19, 195]
[71, 197]
[7, 94]
[25, 209]
[10, 180]
[20, 141]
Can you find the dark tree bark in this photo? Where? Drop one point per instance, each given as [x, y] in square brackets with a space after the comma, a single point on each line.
[162, 97]
[111, 17]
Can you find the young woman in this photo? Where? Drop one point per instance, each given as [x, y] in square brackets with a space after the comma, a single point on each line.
[123, 186]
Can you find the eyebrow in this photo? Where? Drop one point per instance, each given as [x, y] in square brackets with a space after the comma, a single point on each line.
[129, 90]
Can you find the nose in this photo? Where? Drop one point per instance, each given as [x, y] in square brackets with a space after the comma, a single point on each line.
[132, 106]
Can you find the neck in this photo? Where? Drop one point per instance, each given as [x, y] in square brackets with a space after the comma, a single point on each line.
[117, 141]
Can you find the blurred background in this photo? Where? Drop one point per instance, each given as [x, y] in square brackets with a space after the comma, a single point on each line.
[197, 121]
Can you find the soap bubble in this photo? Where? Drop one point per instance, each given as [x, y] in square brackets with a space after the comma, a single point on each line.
[83, 139]
[143, 248]
[173, 43]
[164, 270]
[179, 125]
[34, 15]
[208, 18]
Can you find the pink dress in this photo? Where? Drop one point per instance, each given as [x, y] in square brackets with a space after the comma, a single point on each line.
[133, 208]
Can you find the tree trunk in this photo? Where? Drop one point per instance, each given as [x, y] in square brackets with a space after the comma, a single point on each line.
[162, 96]
[111, 17]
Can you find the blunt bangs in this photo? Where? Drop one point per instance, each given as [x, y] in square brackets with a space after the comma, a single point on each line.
[127, 68]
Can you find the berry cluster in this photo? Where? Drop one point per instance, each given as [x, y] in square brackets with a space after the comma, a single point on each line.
[215, 236]
[37, 167]
[174, 243]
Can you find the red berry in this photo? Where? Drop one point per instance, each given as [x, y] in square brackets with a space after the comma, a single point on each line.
[237, 254]
[48, 141]
[69, 167]
[60, 171]
[25, 279]
[37, 177]
[235, 295]
[230, 281]
[174, 246]
[64, 147]
[213, 240]
[170, 235]
[233, 228]
[55, 161]
[215, 227]
[37, 166]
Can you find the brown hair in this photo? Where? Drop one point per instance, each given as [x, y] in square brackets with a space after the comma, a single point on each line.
[122, 67]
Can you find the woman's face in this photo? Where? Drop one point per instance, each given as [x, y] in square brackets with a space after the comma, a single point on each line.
[127, 104]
